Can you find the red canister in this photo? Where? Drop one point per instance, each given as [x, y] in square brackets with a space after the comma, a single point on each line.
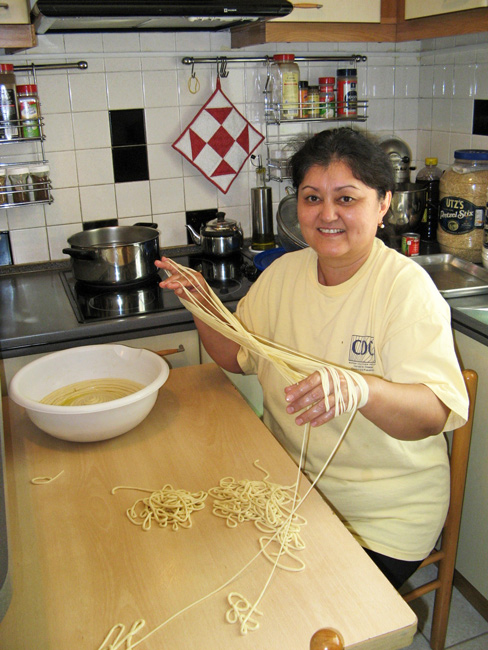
[410, 244]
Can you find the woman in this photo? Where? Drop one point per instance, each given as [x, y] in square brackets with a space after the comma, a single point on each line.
[350, 300]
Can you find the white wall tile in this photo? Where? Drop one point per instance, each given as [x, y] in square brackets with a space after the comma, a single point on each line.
[443, 81]
[53, 93]
[79, 42]
[58, 129]
[122, 64]
[88, 92]
[63, 169]
[381, 82]
[65, 208]
[406, 114]
[121, 42]
[158, 41]
[200, 193]
[172, 229]
[462, 115]
[161, 125]
[26, 216]
[160, 88]
[441, 114]
[98, 202]
[29, 245]
[133, 199]
[94, 166]
[124, 90]
[57, 237]
[426, 81]
[167, 196]
[91, 129]
[164, 161]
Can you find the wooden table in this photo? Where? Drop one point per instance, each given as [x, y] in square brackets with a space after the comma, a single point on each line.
[79, 566]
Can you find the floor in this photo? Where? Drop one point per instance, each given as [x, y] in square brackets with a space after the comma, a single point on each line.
[467, 629]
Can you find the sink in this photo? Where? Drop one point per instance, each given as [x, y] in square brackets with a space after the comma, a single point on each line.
[478, 313]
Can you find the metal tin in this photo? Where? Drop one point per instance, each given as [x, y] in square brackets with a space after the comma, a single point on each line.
[410, 244]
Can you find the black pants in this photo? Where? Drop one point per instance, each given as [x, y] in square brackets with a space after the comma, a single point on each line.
[397, 571]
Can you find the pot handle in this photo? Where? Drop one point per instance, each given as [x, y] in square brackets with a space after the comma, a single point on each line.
[80, 254]
[147, 225]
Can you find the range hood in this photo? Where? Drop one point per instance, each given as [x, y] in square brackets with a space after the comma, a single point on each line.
[161, 15]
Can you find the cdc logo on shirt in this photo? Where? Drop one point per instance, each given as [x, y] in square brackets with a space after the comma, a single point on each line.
[362, 352]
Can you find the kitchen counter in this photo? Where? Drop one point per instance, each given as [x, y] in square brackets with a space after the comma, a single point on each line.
[79, 566]
[37, 316]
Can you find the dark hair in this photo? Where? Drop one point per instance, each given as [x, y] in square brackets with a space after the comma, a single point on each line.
[365, 158]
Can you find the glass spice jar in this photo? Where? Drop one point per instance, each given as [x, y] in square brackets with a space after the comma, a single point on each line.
[285, 75]
[327, 97]
[29, 110]
[462, 204]
[19, 186]
[40, 182]
[8, 103]
[313, 101]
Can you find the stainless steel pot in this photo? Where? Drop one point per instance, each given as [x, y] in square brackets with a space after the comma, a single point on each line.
[114, 255]
[218, 237]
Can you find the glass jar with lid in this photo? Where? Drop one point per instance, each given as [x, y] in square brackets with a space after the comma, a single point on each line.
[284, 79]
[462, 204]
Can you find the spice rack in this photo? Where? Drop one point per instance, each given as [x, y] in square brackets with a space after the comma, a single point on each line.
[33, 192]
[282, 134]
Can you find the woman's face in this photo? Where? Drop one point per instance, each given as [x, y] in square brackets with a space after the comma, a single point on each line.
[339, 215]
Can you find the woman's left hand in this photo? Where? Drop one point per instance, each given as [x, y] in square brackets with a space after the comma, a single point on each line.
[308, 394]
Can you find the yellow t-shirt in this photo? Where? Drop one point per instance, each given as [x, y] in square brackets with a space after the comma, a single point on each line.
[388, 320]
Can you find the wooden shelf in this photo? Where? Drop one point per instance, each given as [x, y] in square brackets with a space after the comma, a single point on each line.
[17, 37]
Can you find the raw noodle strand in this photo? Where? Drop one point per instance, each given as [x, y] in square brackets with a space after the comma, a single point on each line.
[44, 480]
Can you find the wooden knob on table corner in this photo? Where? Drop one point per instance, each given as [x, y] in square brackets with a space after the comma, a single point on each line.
[327, 639]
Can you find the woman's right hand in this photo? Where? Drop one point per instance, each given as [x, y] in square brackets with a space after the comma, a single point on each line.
[176, 281]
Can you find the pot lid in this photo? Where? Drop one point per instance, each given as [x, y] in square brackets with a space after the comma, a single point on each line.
[287, 219]
[219, 226]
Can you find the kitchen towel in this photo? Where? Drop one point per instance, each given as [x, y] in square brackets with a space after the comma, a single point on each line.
[218, 140]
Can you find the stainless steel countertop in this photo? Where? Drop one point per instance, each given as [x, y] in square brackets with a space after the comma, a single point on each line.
[36, 316]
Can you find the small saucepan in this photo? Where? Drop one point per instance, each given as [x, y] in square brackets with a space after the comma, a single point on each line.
[114, 255]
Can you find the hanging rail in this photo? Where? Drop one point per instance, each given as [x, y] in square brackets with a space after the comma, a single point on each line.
[81, 65]
[191, 60]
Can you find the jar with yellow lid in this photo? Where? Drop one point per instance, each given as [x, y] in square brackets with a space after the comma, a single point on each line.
[462, 203]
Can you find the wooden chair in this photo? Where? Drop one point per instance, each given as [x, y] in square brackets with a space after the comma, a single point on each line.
[445, 557]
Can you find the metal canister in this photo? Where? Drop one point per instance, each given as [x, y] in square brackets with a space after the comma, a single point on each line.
[410, 244]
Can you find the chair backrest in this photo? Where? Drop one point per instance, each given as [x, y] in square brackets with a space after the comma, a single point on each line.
[461, 439]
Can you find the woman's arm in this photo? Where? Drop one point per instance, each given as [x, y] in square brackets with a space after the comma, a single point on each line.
[222, 350]
[403, 411]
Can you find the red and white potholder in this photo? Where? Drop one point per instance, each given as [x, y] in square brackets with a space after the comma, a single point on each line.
[218, 140]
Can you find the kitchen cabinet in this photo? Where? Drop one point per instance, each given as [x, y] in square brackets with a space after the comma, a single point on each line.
[420, 8]
[14, 12]
[472, 557]
[347, 11]
[392, 27]
[16, 32]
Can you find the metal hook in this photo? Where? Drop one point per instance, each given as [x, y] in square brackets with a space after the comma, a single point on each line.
[222, 67]
[193, 77]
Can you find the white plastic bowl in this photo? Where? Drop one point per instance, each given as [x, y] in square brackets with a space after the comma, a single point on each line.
[97, 421]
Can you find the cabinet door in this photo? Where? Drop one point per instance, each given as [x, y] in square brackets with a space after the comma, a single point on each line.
[14, 12]
[344, 11]
[421, 8]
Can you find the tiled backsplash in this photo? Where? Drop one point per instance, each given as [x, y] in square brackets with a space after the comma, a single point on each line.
[421, 91]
